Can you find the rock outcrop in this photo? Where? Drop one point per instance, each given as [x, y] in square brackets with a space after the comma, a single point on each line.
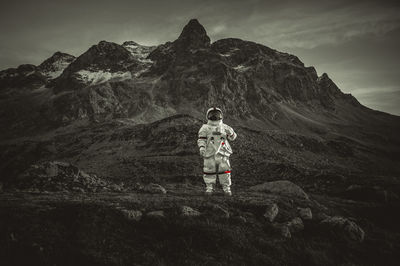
[154, 189]
[61, 176]
[271, 212]
[346, 226]
[189, 211]
[281, 187]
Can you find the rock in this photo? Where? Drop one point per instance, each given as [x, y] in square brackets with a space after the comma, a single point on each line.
[285, 231]
[154, 189]
[61, 176]
[305, 213]
[240, 219]
[281, 187]
[295, 225]
[282, 229]
[13, 238]
[218, 210]
[188, 211]
[116, 187]
[77, 189]
[320, 216]
[51, 169]
[157, 214]
[351, 229]
[132, 214]
[271, 212]
[37, 247]
[137, 186]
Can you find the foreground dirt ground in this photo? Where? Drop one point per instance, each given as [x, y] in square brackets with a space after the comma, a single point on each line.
[184, 227]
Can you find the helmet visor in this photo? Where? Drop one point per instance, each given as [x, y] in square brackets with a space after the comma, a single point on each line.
[214, 115]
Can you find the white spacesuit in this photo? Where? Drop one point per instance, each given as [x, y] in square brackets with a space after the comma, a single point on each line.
[214, 146]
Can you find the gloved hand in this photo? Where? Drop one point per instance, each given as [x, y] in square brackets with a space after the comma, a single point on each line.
[202, 151]
[228, 133]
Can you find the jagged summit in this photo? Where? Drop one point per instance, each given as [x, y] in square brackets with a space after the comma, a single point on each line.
[103, 53]
[130, 43]
[193, 36]
[53, 66]
[57, 56]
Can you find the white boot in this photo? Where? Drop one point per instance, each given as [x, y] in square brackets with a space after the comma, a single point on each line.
[209, 188]
[227, 190]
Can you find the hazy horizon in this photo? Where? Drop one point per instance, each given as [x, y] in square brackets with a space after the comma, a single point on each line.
[355, 43]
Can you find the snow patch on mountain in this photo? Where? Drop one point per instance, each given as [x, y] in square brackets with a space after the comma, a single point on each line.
[58, 68]
[140, 52]
[53, 67]
[95, 77]
[29, 73]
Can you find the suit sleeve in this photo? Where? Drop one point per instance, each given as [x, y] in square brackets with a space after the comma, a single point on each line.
[202, 140]
[231, 134]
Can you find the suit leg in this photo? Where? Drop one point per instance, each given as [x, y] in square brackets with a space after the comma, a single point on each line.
[225, 178]
[209, 179]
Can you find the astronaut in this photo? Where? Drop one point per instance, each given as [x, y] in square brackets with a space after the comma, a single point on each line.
[214, 147]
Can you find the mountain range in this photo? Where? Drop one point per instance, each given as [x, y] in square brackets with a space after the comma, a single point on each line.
[119, 109]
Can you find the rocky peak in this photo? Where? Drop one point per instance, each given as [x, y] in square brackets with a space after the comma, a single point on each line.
[107, 47]
[327, 84]
[54, 65]
[193, 36]
[107, 54]
[130, 43]
[57, 56]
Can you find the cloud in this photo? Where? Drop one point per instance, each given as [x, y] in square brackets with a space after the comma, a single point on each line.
[305, 27]
[382, 99]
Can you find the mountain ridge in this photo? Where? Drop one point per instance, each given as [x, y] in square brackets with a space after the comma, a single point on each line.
[254, 85]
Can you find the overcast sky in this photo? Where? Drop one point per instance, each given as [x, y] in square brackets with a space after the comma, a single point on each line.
[355, 42]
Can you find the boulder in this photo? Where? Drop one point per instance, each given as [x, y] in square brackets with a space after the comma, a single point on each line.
[156, 214]
[282, 229]
[154, 189]
[188, 211]
[77, 189]
[240, 219]
[218, 210]
[341, 224]
[285, 231]
[281, 187]
[305, 213]
[51, 169]
[295, 225]
[134, 215]
[271, 212]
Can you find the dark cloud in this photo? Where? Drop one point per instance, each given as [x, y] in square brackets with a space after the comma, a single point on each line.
[355, 42]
